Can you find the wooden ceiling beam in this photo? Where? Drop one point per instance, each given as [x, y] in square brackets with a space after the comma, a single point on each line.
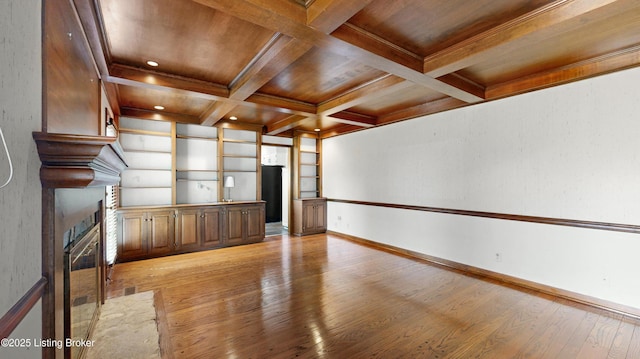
[279, 53]
[461, 82]
[285, 8]
[216, 112]
[282, 50]
[153, 115]
[283, 104]
[475, 49]
[375, 56]
[389, 51]
[427, 108]
[359, 121]
[354, 118]
[131, 76]
[626, 58]
[339, 130]
[328, 15]
[288, 123]
[362, 46]
[370, 91]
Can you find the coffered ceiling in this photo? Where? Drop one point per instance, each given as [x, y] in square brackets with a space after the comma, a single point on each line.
[346, 65]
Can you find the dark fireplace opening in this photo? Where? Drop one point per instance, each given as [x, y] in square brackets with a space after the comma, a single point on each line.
[82, 280]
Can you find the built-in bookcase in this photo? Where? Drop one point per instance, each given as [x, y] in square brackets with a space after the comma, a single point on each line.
[197, 172]
[308, 161]
[147, 146]
[173, 163]
[240, 160]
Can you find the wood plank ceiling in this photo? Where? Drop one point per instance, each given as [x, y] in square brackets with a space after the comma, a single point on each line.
[345, 65]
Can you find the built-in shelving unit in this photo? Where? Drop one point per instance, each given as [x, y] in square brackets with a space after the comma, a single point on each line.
[240, 159]
[197, 173]
[147, 147]
[175, 164]
[308, 166]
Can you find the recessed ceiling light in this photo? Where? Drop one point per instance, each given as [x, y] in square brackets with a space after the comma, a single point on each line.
[152, 63]
[316, 129]
[159, 107]
[233, 118]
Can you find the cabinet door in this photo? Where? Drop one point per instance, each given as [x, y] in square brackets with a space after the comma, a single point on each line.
[235, 230]
[308, 217]
[254, 217]
[211, 226]
[189, 230]
[320, 216]
[161, 232]
[131, 241]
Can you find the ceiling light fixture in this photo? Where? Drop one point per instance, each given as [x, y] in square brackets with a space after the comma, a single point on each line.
[316, 129]
[233, 118]
[159, 107]
[152, 63]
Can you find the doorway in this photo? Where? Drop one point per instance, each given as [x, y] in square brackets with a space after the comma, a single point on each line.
[276, 184]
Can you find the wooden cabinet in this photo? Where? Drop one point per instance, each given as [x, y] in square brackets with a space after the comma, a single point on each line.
[199, 228]
[211, 226]
[189, 228]
[309, 216]
[161, 235]
[147, 233]
[245, 224]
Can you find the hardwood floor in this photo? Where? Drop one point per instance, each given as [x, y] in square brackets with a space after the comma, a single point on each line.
[323, 296]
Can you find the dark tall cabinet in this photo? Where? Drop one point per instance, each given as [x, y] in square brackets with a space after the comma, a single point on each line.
[272, 192]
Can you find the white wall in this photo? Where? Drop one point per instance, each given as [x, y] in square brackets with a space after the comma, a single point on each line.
[20, 201]
[567, 152]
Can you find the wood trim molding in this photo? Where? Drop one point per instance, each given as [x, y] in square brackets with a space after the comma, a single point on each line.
[616, 227]
[78, 161]
[16, 314]
[483, 273]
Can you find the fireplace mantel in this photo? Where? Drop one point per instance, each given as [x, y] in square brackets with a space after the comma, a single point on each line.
[78, 161]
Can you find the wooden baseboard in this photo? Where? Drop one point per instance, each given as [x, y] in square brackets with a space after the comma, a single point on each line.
[483, 273]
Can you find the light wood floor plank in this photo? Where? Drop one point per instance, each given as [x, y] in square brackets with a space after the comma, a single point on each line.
[550, 341]
[621, 341]
[323, 296]
[634, 346]
[601, 337]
